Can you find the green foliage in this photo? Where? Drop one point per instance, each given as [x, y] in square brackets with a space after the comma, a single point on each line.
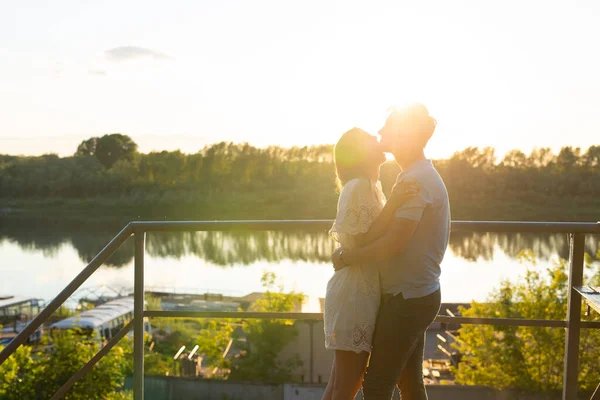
[238, 181]
[87, 148]
[123, 395]
[152, 303]
[168, 335]
[211, 336]
[108, 149]
[262, 340]
[213, 340]
[26, 375]
[527, 358]
[267, 338]
[16, 373]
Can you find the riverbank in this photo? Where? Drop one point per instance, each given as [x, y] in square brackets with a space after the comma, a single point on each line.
[118, 210]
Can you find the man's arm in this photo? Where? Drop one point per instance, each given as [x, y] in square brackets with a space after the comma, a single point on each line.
[395, 240]
[401, 193]
[399, 233]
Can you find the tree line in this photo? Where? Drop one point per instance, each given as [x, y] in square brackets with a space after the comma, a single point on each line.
[229, 180]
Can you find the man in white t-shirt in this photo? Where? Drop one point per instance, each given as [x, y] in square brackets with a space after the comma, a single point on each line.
[413, 248]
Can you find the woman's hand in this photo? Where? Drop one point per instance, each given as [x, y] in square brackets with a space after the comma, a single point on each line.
[404, 191]
[336, 259]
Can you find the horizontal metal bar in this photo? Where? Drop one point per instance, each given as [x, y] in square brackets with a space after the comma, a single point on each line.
[319, 316]
[234, 314]
[502, 321]
[66, 293]
[526, 227]
[251, 225]
[90, 364]
[316, 225]
[590, 324]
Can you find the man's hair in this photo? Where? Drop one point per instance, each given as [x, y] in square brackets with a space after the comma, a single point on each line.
[416, 116]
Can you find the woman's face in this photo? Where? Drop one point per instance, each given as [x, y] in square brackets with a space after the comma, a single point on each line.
[376, 154]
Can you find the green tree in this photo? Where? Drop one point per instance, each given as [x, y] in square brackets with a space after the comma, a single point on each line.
[592, 157]
[114, 147]
[515, 159]
[214, 338]
[267, 338]
[17, 373]
[28, 376]
[87, 148]
[568, 158]
[527, 358]
[541, 157]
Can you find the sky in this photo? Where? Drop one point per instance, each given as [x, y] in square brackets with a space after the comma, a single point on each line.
[183, 74]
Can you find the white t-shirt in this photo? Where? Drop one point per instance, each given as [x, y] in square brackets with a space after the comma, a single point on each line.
[415, 272]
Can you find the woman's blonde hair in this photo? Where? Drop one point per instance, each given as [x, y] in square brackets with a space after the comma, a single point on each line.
[351, 156]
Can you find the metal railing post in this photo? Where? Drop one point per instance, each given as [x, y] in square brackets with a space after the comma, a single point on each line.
[311, 325]
[596, 395]
[138, 316]
[571, 370]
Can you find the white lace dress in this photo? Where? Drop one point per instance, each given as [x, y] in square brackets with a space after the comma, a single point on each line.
[353, 293]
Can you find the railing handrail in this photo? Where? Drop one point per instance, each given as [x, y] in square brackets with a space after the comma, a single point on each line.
[139, 229]
[325, 224]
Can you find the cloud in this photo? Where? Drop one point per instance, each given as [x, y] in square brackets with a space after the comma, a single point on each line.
[129, 53]
[99, 72]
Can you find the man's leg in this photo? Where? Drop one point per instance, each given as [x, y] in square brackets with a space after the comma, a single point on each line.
[393, 343]
[399, 334]
[411, 379]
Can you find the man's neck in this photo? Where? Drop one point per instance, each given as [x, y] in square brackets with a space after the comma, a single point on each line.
[407, 161]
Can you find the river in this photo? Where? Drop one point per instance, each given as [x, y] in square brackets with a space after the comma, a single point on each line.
[38, 259]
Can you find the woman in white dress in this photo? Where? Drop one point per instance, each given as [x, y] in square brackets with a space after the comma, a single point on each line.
[353, 293]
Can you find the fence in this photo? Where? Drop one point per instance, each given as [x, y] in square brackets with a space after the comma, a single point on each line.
[572, 323]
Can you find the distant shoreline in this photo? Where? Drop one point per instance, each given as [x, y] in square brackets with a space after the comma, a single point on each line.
[120, 210]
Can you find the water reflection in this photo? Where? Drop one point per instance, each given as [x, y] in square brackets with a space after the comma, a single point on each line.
[474, 246]
[228, 248]
[220, 248]
[49, 237]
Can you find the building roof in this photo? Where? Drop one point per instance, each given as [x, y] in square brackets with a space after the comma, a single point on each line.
[200, 305]
[98, 316]
[6, 301]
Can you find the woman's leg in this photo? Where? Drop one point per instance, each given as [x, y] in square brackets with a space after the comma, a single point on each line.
[349, 372]
[328, 395]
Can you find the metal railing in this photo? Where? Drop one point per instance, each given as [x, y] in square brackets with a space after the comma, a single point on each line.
[572, 323]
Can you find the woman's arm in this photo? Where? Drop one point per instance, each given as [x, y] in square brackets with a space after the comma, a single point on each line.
[400, 193]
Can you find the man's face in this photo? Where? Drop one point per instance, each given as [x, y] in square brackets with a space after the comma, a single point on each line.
[390, 135]
[397, 137]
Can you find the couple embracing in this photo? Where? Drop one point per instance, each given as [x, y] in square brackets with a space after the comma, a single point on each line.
[385, 291]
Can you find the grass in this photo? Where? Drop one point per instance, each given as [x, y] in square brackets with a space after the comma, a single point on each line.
[196, 205]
